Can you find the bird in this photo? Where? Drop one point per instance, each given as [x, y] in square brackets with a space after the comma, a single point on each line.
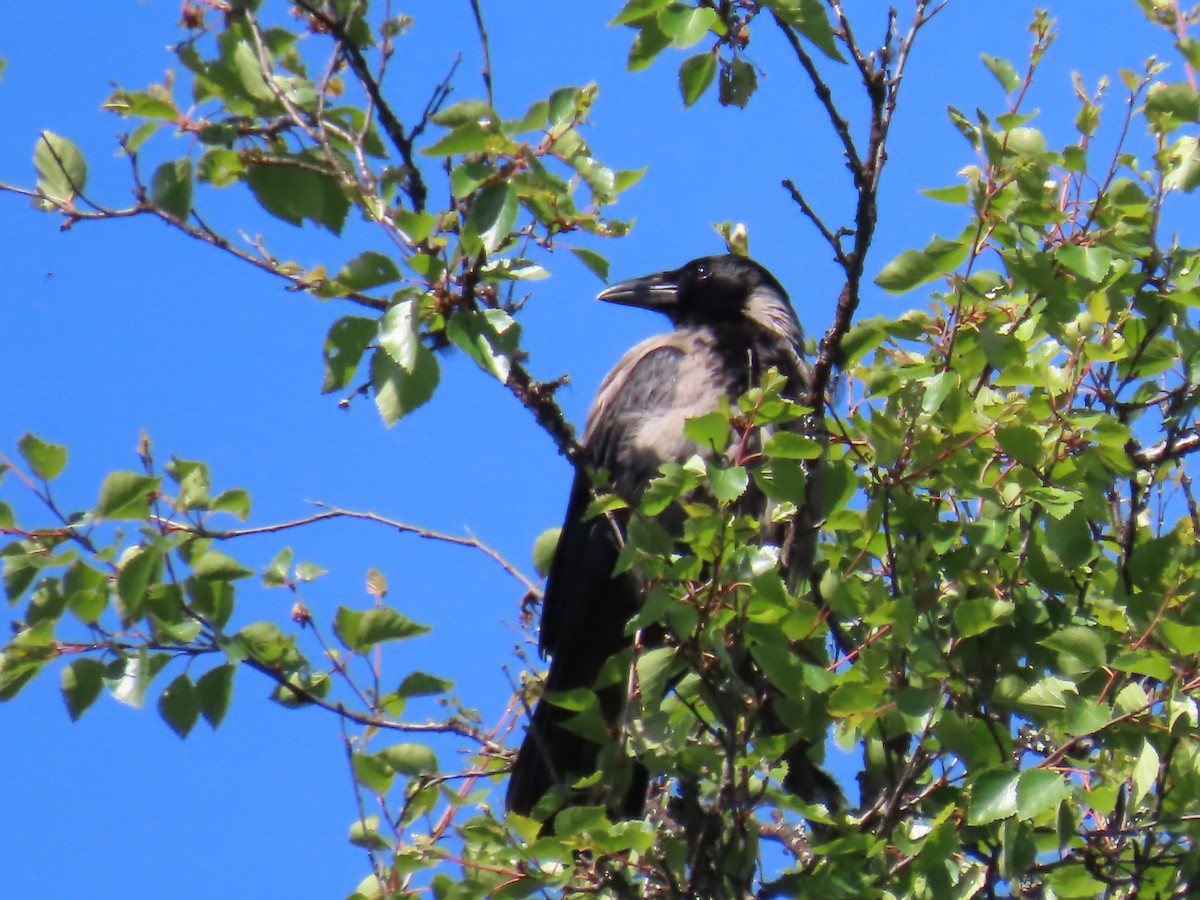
[733, 322]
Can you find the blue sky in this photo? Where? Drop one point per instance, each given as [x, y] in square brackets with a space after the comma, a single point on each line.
[115, 327]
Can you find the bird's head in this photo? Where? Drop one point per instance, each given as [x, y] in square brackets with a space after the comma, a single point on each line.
[710, 291]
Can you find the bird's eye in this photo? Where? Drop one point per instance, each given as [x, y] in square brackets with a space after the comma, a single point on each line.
[702, 272]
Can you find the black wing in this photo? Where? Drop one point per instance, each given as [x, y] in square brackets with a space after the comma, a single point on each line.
[585, 608]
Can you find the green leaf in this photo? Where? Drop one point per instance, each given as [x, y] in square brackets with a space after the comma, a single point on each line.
[399, 391]
[739, 80]
[294, 194]
[422, 684]
[417, 225]
[488, 336]
[543, 550]
[1091, 263]
[410, 759]
[368, 270]
[1022, 443]
[1004, 71]
[235, 501]
[957, 194]
[61, 168]
[220, 167]
[727, 483]
[696, 74]
[365, 833]
[469, 138]
[276, 573]
[491, 218]
[636, 10]
[810, 19]
[216, 566]
[372, 773]
[464, 111]
[1145, 771]
[400, 334]
[789, 445]
[686, 25]
[179, 705]
[993, 797]
[1182, 169]
[126, 495]
[81, 683]
[171, 187]
[137, 573]
[213, 693]
[913, 268]
[1079, 642]
[594, 261]
[360, 630]
[345, 345]
[1039, 791]
[650, 42]
[46, 460]
[1170, 105]
[128, 677]
[710, 431]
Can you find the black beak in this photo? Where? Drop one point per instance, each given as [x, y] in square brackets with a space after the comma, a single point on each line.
[658, 292]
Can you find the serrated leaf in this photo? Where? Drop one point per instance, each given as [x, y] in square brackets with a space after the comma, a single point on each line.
[422, 684]
[727, 483]
[636, 10]
[993, 797]
[400, 334]
[345, 344]
[710, 431]
[125, 495]
[171, 187]
[46, 460]
[61, 167]
[464, 111]
[294, 194]
[216, 566]
[594, 261]
[235, 501]
[650, 42]
[686, 25]
[491, 218]
[913, 268]
[1145, 771]
[1004, 71]
[368, 270]
[1038, 791]
[387, 624]
[789, 445]
[738, 82]
[490, 347]
[810, 19]
[276, 573]
[696, 74]
[399, 391]
[213, 693]
[81, 682]
[179, 706]
[135, 576]
[1091, 263]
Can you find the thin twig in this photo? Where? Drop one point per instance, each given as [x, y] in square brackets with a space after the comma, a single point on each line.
[335, 513]
[487, 54]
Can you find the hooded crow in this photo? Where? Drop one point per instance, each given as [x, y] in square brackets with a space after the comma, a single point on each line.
[733, 322]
